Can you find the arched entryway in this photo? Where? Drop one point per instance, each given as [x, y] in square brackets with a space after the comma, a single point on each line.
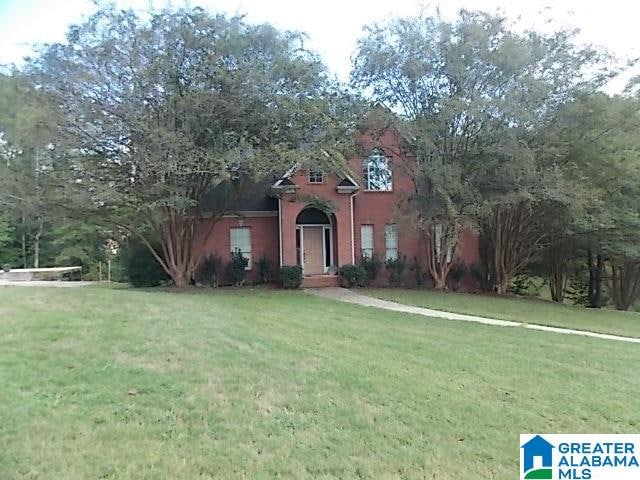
[314, 241]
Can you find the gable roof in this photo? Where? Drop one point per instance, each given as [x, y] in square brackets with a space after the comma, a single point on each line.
[285, 180]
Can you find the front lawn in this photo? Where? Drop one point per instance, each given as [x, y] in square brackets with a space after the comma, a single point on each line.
[125, 384]
[525, 310]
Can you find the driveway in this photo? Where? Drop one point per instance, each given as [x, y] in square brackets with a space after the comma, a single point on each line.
[350, 296]
[43, 283]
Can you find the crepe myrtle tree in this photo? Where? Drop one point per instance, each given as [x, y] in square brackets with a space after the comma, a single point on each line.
[471, 95]
[163, 109]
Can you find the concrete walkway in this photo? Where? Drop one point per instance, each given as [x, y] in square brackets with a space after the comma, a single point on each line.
[349, 296]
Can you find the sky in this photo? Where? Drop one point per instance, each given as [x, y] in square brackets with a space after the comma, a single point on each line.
[333, 26]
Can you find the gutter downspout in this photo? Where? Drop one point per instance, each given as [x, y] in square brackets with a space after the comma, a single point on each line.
[280, 228]
[353, 238]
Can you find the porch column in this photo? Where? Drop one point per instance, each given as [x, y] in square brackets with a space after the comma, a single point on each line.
[290, 211]
[343, 221]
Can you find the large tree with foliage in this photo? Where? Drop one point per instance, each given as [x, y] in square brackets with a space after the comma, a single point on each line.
[161, 110]
[30, 164]
[473, 95]
[601, 133]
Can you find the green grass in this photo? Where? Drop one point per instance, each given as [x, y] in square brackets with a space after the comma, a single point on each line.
[524, 310]
[125, 384]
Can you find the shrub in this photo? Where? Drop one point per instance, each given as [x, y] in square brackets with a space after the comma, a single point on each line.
[291, 276]
[418, 272]
[140, 267]
[265, 269]
[237, 268]
[6, 267]
[211, 270]
[520, 285]
[396, 267]
[353, 275]
[371, 266]
[457, 274]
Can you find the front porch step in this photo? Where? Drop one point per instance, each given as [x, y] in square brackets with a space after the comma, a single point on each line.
[320, 281]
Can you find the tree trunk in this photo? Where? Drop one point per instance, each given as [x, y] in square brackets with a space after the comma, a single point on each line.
[24, 243]
[36, 244]
[558, 261]
[513, 238]
[625, 279]
[441, 243]
[439, 283]
[182, 243]
[596, 271]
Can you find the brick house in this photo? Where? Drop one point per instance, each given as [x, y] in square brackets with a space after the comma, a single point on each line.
[285, 219]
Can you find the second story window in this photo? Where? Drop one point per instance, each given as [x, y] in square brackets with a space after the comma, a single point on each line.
[316, 176]
[377, 172]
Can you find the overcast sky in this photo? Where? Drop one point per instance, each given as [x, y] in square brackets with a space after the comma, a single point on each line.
[334, 26]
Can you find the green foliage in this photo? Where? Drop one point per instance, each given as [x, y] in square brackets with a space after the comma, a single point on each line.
[371, 266]
[6, 267]
[521, 284]
[396, 268]
[457, 273]
[353, 275]
[290, 276]
[140, 268]
[418, 271]
[477, 99]
[265, 269]
[211, 270]
[153, 153]
[237, 268]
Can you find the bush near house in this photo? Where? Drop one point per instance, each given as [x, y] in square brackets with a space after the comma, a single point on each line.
[211, 271]
[265, 269]
[237, 268]
[141, 269]
[353, 275]
[371, 266]
[419, 274]
[396, 268]
[291, 276]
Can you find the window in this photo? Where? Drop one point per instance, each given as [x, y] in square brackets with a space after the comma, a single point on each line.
[316, 176]
[241, 240]
[391, 241]
[366, 240]
[377, 173]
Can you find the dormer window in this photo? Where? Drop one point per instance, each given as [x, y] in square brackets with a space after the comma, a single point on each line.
[316, 176]
[377, 172]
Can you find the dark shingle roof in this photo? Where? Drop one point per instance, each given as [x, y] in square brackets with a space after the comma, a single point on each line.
[257, 198]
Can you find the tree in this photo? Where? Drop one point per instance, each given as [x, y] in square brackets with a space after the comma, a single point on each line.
[163, 112]
[473, 96]
[28, 170]
[596, 136]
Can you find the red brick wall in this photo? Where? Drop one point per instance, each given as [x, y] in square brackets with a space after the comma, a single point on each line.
[264, 239]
